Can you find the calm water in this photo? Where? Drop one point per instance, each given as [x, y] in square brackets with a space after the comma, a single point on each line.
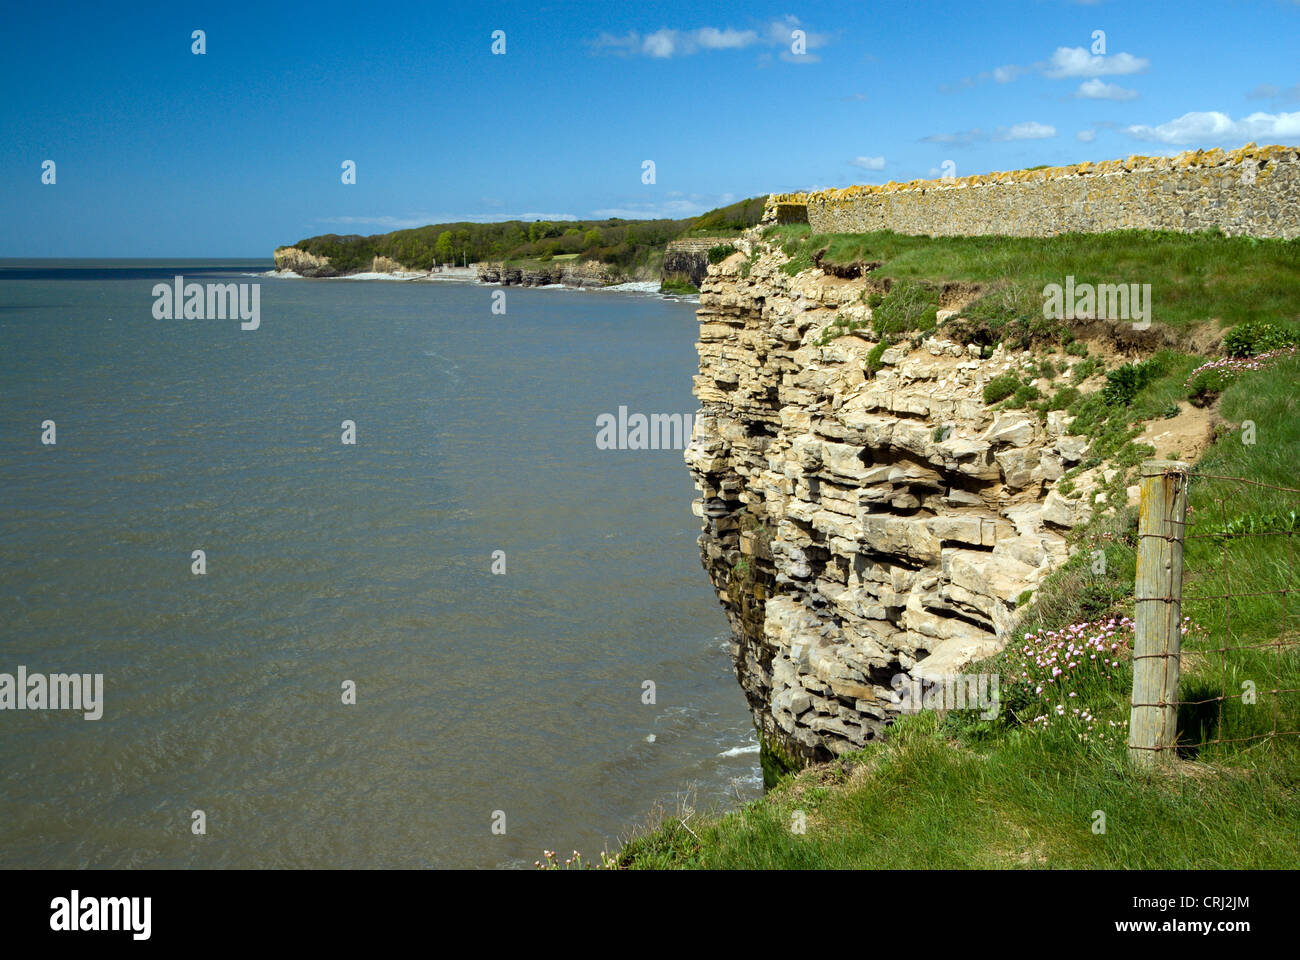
[371, 563]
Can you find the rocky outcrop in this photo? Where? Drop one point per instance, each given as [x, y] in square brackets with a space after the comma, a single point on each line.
[303, 263]
[687, 261]
[570, 273]
[382, 264]
[859, 527]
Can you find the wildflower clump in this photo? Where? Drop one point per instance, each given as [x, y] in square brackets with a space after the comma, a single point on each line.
[1057, 665]
[1213, 377]
[551, 861]
[1055, 673]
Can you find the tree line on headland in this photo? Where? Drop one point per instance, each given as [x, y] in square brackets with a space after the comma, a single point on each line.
[625, 244]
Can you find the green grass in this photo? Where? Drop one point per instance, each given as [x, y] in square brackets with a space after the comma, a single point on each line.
[1194, 277]
[1264, 565]
[955, 791]
[909, 305]
[1001, 387]
[680, 287]
[721, 252]
[924, 800]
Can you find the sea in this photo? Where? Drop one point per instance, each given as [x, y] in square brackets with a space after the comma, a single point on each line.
[467, 636]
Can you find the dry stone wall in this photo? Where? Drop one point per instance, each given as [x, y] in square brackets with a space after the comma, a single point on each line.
[1253, 191]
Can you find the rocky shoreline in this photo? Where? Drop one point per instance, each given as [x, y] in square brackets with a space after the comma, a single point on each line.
[573, 273]
[292, 262]
[685, 261]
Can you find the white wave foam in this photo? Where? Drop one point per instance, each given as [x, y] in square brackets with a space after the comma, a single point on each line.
[740, 751]
[379, 276]
[635, 286]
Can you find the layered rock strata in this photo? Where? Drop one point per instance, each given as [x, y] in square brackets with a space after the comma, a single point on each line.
[687, 261]
[303, 263]
[570, 273]
[859, 527]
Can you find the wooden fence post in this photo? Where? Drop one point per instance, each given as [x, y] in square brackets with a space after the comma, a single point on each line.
[1158, 598]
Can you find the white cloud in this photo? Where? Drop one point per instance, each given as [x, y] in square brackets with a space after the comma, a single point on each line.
[1264, 91]
[667, 42]
[869, 163]
[392, 223]
[406, 223]
[1030, 130]
[1065, 62]
[1269, 91]
[1086, 136]
[661, 43]
[667, 210]
[711, 38]
[1095, 89]
[1009, 72]
[608, 41]
[961, 138]
[1219, 128]
[779, 34]
[1078, 62]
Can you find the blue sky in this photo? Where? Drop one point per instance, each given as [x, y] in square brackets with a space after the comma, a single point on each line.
[161, 152]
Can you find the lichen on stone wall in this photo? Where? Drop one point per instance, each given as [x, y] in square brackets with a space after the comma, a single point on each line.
[1253, 191]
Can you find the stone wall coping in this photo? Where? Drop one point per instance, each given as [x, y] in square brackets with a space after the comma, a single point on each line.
[1188, 159]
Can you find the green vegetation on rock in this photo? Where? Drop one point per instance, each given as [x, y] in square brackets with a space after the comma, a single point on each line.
[721, 252]
[1194, 277]
[679, 287]
[622, 243]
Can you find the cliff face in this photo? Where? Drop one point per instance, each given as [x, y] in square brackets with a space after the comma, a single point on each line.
[859, 527]
[309, 265]
[303, 263]
[571, 273]
[687, 261]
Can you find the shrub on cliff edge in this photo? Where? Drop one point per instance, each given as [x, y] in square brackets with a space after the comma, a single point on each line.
[721, 252]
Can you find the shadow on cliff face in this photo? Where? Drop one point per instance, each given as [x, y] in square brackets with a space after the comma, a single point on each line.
[844, 271]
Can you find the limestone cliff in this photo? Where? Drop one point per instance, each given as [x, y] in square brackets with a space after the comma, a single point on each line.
[570, 273]
[303, 263]
[687, 261]
[859, 526]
